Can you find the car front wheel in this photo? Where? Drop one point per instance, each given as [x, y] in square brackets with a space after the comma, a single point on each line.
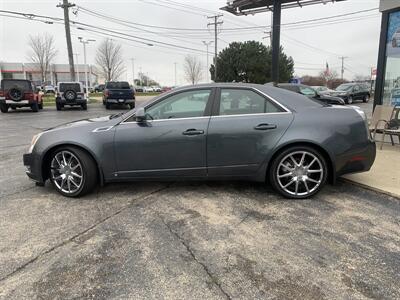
[298, 172]
[349, 100]
[73, 172]
[3, 107]
[366, 99]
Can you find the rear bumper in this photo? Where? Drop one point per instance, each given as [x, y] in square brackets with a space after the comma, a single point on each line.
[120, 101]
[357, 161]
[16, 103]
[33, 168]
[74, 102]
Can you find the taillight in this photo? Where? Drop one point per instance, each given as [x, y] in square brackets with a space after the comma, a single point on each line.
[1, 93]
[106, 93]
[29, 96]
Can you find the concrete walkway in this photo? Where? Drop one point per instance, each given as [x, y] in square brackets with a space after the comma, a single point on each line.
[384, 175]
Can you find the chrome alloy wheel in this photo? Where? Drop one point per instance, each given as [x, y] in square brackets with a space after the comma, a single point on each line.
[300, 173]
[66, 172]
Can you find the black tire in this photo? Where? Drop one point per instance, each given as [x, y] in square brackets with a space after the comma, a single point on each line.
[35, 107]
[132, 105]
[366, 99]
[108, 105]
[3, 107]
[58, 106]
[40, 105]
[84, 106]
[89, 171]
[297, 150]
[349, 100]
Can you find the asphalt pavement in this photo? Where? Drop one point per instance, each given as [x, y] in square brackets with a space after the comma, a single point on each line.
[187, 240]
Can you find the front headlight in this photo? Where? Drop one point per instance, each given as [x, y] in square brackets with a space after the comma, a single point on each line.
[34, 140]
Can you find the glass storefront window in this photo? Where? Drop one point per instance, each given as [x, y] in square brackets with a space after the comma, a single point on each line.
[391, 94]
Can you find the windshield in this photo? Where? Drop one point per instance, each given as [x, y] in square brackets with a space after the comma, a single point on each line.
[118, 85]
[344, 87]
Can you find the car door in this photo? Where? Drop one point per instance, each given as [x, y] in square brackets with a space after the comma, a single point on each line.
[244, 128]
[357, 93]
[171, 143]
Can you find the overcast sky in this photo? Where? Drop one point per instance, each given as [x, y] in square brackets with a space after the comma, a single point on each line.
[311, 47]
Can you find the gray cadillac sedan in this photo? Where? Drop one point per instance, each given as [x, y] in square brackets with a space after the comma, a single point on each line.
[208, 132]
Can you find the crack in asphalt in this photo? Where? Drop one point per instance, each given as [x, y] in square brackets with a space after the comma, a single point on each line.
[71, 239]
[213, 278]
[17, 192]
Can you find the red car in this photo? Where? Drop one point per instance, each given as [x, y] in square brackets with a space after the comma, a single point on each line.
[16, 93]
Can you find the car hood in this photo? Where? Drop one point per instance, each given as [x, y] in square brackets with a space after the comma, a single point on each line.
[95, 122]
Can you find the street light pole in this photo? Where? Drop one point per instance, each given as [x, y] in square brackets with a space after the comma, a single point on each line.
[77, 66]
[207, 44]
[175, 74]
[133, 71]
[84, 42]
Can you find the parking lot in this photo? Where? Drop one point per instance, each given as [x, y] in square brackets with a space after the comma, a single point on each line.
[192, 240]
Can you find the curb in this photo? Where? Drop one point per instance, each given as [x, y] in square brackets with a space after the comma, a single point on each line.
[367, 187]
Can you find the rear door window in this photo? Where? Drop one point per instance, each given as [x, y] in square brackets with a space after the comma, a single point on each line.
[70, 86]
[243, 102]
[21, 85]
[118, 86]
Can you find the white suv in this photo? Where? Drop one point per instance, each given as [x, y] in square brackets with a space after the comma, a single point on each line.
[70, 93]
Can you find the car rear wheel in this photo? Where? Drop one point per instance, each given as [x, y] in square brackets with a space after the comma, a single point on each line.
[35, 107]
[366, 99]
[108, 106]
[131, 106]
[58, 105]
[73, 172]
[3, 107]
[84, 106]
[349, 100]
[298, 172]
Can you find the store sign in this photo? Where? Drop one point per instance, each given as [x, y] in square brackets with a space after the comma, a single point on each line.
[393, 36]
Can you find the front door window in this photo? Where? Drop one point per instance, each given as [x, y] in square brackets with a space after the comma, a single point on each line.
[189, 104]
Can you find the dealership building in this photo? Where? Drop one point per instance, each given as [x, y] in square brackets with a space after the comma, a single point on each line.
[387, 91]
[56, 73]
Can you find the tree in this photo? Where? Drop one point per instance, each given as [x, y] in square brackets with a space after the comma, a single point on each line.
[250, 62]
[328, 76]
[193, 69]
[145, 80]
[109, 60]
[42, 52]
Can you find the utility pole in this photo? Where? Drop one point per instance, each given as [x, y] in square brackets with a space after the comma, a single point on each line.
[77, 65]
[215, 23]
[175, 74]
[207, 70]
[342, 58]
[133, 70]
[84, 42]
[65, 5]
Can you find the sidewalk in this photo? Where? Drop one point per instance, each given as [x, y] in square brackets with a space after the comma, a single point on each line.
[384, 175]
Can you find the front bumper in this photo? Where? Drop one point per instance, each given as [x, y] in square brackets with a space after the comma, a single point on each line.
[33, 167]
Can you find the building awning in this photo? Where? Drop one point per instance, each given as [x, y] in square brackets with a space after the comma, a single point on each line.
[245, 7]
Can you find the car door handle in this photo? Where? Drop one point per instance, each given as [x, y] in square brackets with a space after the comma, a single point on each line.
[193, 131]
[265, 127]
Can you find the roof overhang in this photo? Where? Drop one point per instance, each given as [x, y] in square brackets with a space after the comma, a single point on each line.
[250, 7]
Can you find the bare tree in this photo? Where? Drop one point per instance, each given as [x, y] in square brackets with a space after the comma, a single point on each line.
[328, 77]
[42, 52]
[109, 60]
[193, 69]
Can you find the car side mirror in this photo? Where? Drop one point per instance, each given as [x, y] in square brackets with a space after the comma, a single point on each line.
[140, 115]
